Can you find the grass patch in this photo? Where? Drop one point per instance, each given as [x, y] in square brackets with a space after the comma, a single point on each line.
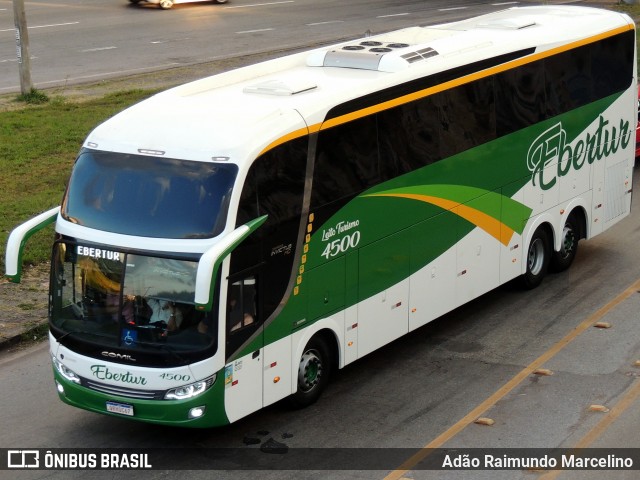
[38, 145]
[34, 97]
[27, 306]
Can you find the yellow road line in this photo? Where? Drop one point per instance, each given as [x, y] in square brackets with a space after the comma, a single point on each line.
[627, 400]
[511, 384]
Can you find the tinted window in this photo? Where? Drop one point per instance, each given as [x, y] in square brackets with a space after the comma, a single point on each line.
[468, 116]
[612, 64]
[520, 98]
[274, 187]
[346, 161]
[148, 196]
[588, 73]
[410, 136]
[275, 184]
[421, 132]
[242, 312]
[567, 80]
[430, 129]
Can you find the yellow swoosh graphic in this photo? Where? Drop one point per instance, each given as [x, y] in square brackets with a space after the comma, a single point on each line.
[492, 226]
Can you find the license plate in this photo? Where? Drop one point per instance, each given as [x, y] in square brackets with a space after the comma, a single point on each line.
[121, 408]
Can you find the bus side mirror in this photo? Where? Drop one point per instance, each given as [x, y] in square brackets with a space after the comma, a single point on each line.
[211, 259]
[18, 239]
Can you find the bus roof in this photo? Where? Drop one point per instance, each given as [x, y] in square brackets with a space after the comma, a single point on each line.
[239, 114]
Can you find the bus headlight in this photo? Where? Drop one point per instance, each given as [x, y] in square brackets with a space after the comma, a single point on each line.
[191, 390]
[64, 371]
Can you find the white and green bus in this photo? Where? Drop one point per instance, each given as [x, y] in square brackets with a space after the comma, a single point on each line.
[228, 243]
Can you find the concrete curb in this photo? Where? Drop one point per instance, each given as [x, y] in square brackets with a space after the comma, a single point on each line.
[24, 309]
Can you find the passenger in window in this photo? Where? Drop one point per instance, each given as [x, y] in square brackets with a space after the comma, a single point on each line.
[235, 317]
[203, 326]
[112, 305]
[128, 311]
[164, 311]
[206, 326]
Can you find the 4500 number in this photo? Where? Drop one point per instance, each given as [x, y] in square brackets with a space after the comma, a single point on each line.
[175, 376]
[341, 245]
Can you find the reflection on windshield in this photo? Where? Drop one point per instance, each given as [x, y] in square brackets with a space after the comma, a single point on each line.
[148, 196]
[128, 301]
[160, 278]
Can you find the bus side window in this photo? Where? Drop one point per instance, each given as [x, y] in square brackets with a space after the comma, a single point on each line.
[347, 161]
[242, 314]
[520, 98]
[274, 187]
[241, 305]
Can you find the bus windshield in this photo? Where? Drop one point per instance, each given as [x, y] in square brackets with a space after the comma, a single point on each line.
[129, 302]
[148, 196]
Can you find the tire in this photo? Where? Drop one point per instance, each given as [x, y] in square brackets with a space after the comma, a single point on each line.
[571, 234]
[166, 4]
[313, 373]
[538, 258]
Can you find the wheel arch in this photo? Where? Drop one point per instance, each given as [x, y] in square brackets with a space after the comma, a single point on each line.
[577, 207]
[545, 221]
[329, 330]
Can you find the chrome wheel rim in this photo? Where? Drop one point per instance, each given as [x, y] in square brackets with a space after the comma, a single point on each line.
[536, 256]
[310, 370]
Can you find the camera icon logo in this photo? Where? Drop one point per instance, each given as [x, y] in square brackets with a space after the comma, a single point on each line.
[23, 459]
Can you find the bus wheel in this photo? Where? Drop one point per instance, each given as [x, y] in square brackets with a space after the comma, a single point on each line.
[166, 4]
[563, 259]
[538, 257]
[313, 373]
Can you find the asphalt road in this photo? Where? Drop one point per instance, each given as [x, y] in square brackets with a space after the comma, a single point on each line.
[74, 41]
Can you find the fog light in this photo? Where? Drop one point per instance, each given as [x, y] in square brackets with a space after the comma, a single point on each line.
[60, 388]
[197, 412]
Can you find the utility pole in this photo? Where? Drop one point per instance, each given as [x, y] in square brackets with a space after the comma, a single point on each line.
[22, 46]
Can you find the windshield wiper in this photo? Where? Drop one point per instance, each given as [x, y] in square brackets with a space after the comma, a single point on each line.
[82, 332]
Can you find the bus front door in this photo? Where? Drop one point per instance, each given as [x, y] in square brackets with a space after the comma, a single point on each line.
[243, 374]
